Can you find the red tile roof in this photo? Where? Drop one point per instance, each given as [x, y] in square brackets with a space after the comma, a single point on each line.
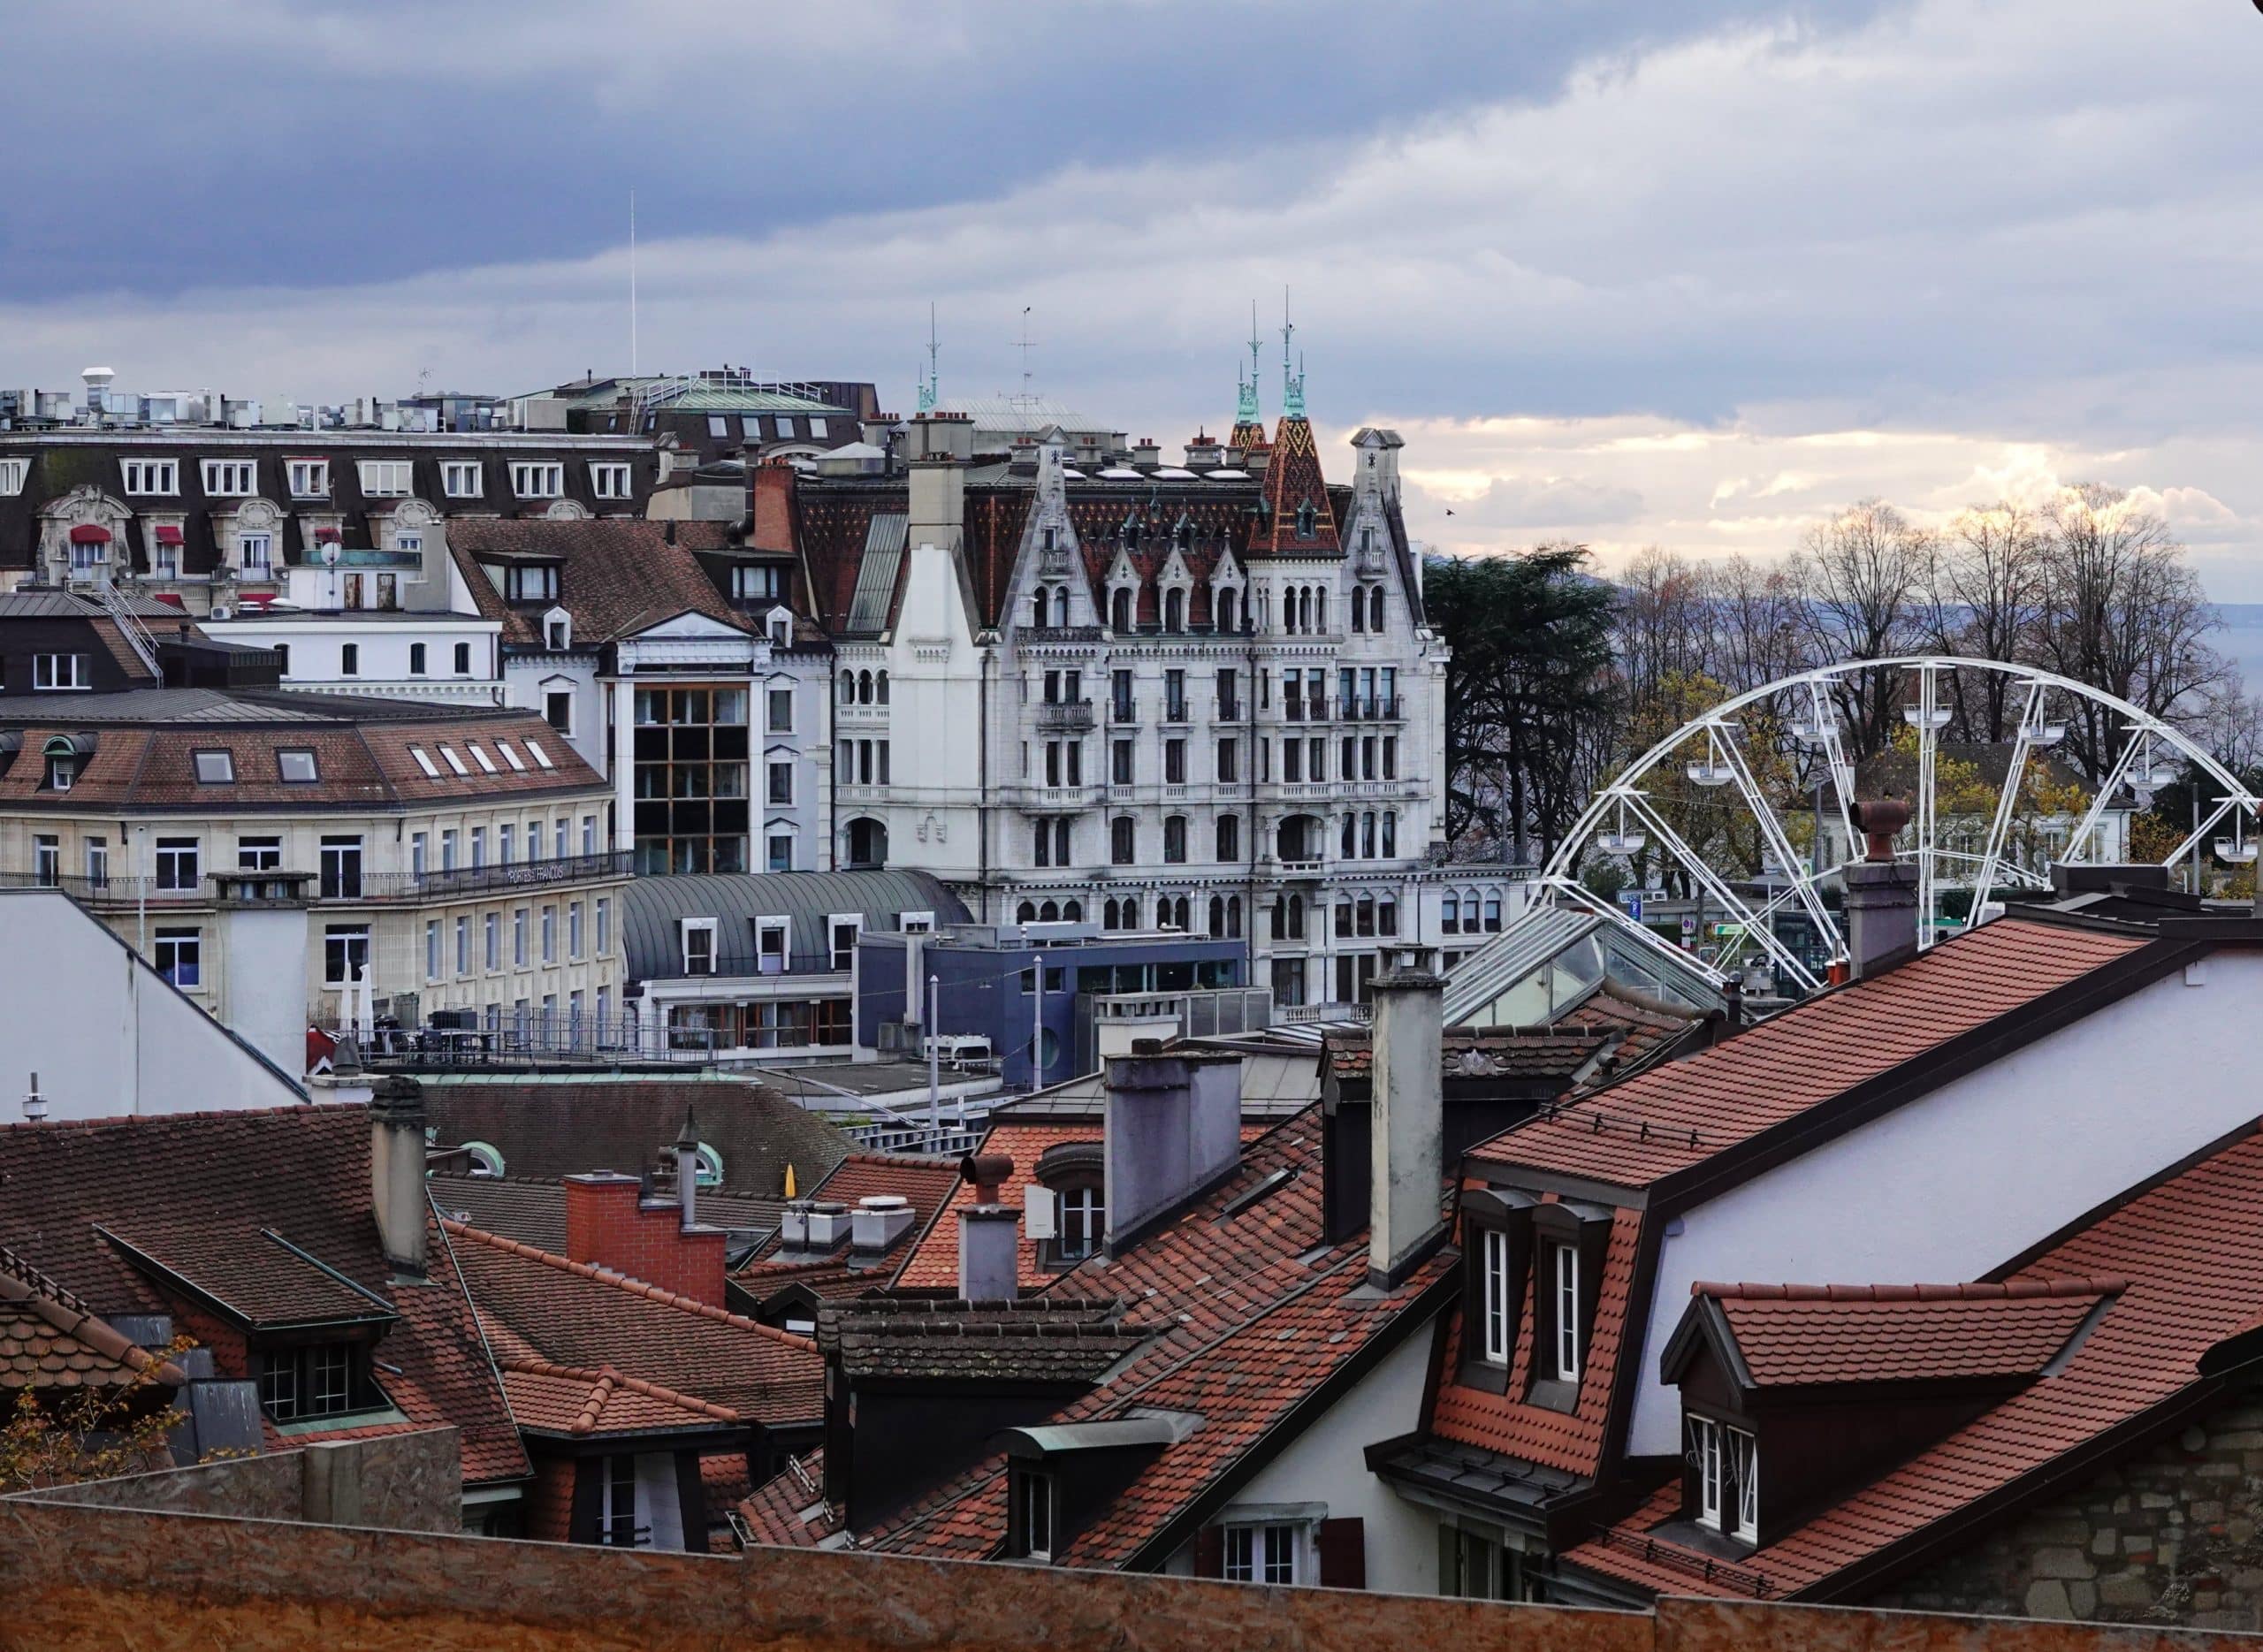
[617, 576]
[589, 1318]
[565, 1399]
[183, 1188]
[1795, 1336]
[1258, 1313]
[2191, 1248]
[1571, 1442]
[49, 1340]
[1667, 1119]
[933, 1264]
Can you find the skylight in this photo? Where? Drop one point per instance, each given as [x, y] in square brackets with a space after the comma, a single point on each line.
[424, 761]
[541, 758]
[479, 756]
[511, 756]
[448, 754]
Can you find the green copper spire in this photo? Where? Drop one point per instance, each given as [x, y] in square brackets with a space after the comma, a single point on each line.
[1246, 412]
[1292, 385]
[930, 381]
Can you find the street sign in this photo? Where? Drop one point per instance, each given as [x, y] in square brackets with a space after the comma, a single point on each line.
[1634, 908]
[1690, 928]
[1727, 931]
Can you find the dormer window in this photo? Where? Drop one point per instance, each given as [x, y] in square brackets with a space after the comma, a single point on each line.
[1307, 520]
[557, 630]
[1030, 1524]
[609, 479]
[1069, 1204]
[229, 478]
[534, 581]
[1566, 1318]
[531, 480]
[309, 478]
[1724, 1478]
[1496, 1303]
[319, 1380]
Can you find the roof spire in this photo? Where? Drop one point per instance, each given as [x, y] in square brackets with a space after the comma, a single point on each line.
[1247, 413]
[930, 382]
[1292, 385]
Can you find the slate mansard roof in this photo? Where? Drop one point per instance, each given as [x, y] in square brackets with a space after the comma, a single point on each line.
[652, 910]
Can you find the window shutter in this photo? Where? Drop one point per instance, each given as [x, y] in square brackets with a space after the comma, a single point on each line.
[1344, 1554]
[1210, 1552]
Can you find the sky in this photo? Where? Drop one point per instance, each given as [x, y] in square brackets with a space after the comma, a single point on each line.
[1679, 272]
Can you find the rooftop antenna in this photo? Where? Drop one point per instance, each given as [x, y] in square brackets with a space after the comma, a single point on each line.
[632, 283]
[1245, 410]
[1026, 345]
[931, 384]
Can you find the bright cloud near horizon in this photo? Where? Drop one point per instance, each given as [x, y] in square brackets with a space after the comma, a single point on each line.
[1682, 272]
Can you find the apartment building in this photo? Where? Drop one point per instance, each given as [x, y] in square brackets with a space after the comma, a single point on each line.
[237, 833]
[1201, 696]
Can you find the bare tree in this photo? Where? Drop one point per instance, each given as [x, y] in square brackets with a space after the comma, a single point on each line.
[1984, 602]
[1760, 632]
[1662, 630]
[1863, 574]
[2121, 609]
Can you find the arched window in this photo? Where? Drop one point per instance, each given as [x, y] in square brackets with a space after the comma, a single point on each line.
[1223, 603]
[1304, 611]
[1276, 919]
[707, 1166]
[1131, 913]
[1119, 608]
[848, 687]
[1174, 610]
[1217, 915]
[879, 688]
[485, 1159]
[1358, 609]
[1350, 844]
[1389, 833]
[1121, 847]
[1025, 913]
[863, 688]
[867, 844]
[1233, 917]
[1072, 911]
[1449, 913]
[1060, 604]
[1470, 910]
[1179, 914]
[1040, 605]
[1174, 839]
[1049, 913]
[1307, 520]
[1492, 911]
[1386, 916]
[1374, 609]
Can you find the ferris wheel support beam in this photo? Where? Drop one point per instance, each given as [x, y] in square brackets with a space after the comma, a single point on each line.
[1720, 891]
[1773, 831]
[2007, 804]
[2078, 847]
[1834, 755]
[1928, 815]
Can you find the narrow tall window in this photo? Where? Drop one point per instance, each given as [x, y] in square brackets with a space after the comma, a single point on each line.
[1496, 1295]
[1705, 1457]
[1567, 1313]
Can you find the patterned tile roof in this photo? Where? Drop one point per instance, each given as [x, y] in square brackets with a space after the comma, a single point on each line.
[584, 1317]
[617, 577]
[1670, 1118]
[566, 1399]
[2190, 1249]
[1045, 1339]
[1795, 1336]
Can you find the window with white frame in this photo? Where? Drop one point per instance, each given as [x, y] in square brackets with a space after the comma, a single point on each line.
[178, 954]
[605, 924]
[179, 863]
[757, 582]
[345, 953]
[531, 583]
[61, 670]
[609, 479]
[309, 478]
[491, 935]
[256, 551]
[698, 947]
[541, 761]
[387, 478]
[13, 472]
[462, 478]
[230, 478]
[781, 782]
[153, 475]
[1565, 1276]
[259, 854]
[431, 948]
[1744, 1470]
[1495, 1300]
[536, 479]
[781, 705]
[1706, 1469]
[1261, 1554]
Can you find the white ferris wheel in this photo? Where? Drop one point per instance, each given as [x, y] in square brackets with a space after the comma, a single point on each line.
[1719, 753]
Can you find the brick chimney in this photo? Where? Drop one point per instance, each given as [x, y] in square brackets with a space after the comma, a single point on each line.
[770, 506]
[1406, 1135]
[1172, 1127]
[990, 1235]
[397, 1171]
[611, 1223]
[1881, 895]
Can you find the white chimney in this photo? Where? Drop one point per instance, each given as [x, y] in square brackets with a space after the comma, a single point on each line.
[687, 1171]
[1407, 1134]
[989, 1238]
[1172, 1127]
[397, 1171]
[879, 1220]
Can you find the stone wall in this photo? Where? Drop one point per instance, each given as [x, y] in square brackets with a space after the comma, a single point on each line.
[2172, 1535]
[408, 1482]
[77, 1577]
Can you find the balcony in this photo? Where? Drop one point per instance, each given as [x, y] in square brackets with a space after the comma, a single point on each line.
[1228, 711]
[1065, 717]
[1373, 709]
[814, 968]
[1312, 710]
[464, 882]
[1122, 711]
[1051, 799]
[1297, 867]
[859, 714]
[1176, 713]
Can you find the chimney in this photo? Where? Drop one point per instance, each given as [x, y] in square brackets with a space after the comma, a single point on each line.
[770, 506]
[937, 507]
[879, 1220]
[1407, 1134]
[609, 1224]
[687, 1171]
[1147, 454]
[397, 1171]
[1881, 895]
[1172, 1127]
[989, 1238]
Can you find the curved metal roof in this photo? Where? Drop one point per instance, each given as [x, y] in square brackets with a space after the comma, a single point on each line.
[652, 908]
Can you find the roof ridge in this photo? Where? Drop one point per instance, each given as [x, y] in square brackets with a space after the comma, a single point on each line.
[611, 1378]
[2028, 1287]
[300, 1109]
[73, 1320]
[622, 1281]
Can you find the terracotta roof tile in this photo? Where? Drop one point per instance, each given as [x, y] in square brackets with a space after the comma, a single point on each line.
[49, 1340]
[566, 1399]
[1043, 1339]
[1793, 1337]
[617, 577]
[2190, 1250]
[1669, 1118]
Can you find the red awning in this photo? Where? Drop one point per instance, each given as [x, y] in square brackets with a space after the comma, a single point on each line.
[168, 535]
[325, 536]
[89, 533]
[173, 596]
